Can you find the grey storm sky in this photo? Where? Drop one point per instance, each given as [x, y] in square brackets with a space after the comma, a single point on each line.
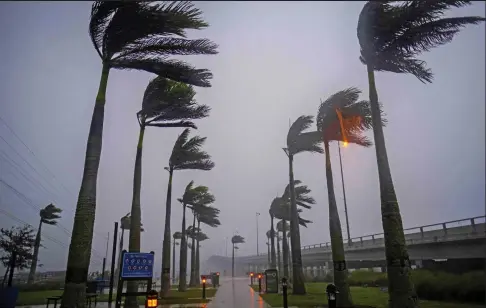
[275, 62]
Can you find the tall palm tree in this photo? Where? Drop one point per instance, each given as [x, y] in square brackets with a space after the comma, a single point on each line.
[49, 215]
[236, 239]
[391, 37]
[176, 236]
[298, 141]
[165, 103]
[186, 155]
[273, 207]
[207, 215]
[128, 35]
[193, 196]
[341, 117]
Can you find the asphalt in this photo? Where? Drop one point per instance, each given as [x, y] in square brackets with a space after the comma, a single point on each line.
[236, 293]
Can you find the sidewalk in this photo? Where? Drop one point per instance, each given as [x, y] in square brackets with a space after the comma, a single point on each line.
[236, 293]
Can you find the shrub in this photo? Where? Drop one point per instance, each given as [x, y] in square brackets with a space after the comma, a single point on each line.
[467, 287]
[41, 286]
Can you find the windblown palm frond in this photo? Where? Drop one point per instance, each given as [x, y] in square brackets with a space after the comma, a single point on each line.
[50, 214]
[177, 235]
[391, 35]
[302, 197]
[187, 154]
[168, 103]
[142, 36]
[201, 237]
[269, 234]
[299, 141]
[197, 196]
[237, 239]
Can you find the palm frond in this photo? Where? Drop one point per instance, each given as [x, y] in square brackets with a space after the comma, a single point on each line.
[172, 69]
[177, 235]
[101, 13]
[50, 214]
[237, 239]
[392, 35]
[187, 154]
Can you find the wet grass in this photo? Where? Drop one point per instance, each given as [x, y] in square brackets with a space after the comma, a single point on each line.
[191, 296]
[362, 297]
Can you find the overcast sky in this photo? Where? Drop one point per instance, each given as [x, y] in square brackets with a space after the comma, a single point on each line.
[275, 62]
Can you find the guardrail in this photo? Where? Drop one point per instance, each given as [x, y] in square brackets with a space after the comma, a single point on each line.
[473, 221]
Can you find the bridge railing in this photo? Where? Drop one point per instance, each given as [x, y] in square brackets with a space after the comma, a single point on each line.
[441, 227]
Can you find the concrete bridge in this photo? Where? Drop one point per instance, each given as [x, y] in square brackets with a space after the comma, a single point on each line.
[456, 242]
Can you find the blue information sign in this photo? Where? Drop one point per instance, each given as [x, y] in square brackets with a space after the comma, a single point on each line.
[137, 265]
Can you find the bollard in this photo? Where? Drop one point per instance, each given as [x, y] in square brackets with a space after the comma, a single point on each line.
[259, 283]
[204, 288]
[331, 291]
[284, 292]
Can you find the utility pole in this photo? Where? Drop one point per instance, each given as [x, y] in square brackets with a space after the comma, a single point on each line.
[257, 214]
[344, 195]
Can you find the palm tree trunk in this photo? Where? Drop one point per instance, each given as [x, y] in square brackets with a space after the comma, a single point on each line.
[289, 253]
[278, 255]
[173, 260]
[192, 280]
[272, 242]
[166, 243]
[5, 275]
[33, 266]
[268, 252]
[183, 254]
[74, 294]
[400, 286]
[298, 275]
[135, 216]
[340, 271]
[233, 261]
[285, 249]
[197, 274]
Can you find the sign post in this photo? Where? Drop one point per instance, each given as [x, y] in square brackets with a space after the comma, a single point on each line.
[271, 281]
[136, 266]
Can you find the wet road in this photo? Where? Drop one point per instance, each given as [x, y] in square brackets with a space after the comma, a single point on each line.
[236, 293]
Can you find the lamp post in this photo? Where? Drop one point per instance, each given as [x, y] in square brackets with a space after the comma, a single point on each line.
[257, 214]
[344, 193]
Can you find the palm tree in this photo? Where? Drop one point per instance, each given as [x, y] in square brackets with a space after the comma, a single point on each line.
[165, 103]
[269, 235]
[186, 155]
[125, 224]
[49, 216]
[236, 239]
[341, 117]
[200, 237]
[207, 215]
[193, 196]
[128, 35]
[298, 141]
[176, 236]
[391, 37]
[273, 206]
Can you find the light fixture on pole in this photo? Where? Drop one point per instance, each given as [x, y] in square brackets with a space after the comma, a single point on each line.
[257, 214]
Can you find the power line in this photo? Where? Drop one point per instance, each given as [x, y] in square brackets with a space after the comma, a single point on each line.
[33, 154]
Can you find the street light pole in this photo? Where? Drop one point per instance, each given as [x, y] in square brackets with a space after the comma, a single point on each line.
[257, 214]
[344, 195]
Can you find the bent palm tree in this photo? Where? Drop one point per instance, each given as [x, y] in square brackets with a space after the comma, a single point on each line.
[128, 35]
[193, 196]
[209, 215]
[176, 236]
[236, 239]
[341, 117]
[200, 237]
[186, 155]
[298, 141]
[391, 37]
[165, 103]
[49, 216]
[269, 235]
[273, 207]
